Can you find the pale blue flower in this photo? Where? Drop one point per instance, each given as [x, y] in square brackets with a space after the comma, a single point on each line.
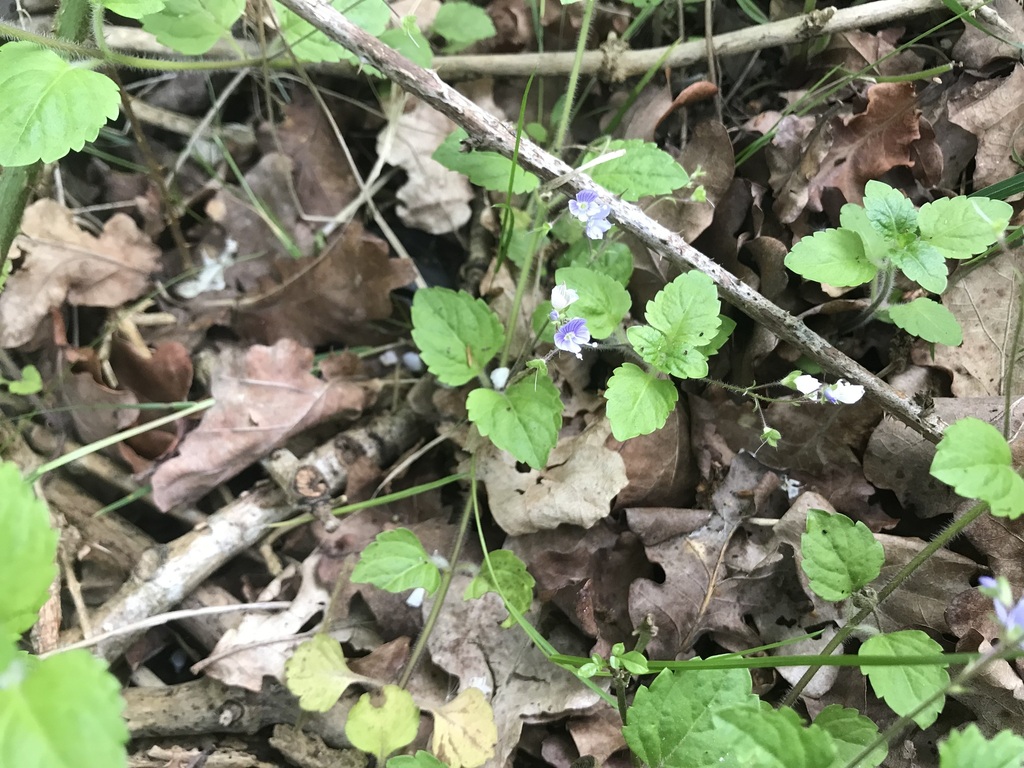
[573, 336]
[586, 207]
[597, 227]
[840, 393]
[1009, 614]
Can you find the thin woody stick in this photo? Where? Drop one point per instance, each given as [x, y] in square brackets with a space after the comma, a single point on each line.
[489, 133]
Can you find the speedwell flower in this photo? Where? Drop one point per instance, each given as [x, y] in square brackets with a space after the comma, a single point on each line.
[840, 393]
[562, 296]
[1009, 614]
[573, 336]
[586, 207]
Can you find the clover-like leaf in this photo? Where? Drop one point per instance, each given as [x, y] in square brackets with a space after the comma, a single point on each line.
[839, 555]
[928, 320]
[396, 561]
[457, 334]
[975, 459]
[638, 402]
[50, 106]
[906, 687]
[523, 420]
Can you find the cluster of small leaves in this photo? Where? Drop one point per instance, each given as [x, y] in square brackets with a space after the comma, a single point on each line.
[63, 711]
[619, 660]
[888, 233]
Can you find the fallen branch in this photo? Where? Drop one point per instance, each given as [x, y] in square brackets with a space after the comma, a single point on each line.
[489, 133]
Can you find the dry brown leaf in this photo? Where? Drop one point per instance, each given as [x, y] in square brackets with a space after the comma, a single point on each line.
[264, 395]
[986, 302]
[464, 731]
[660, 466]
[62, 262]
[995, 115]
[433, 199]
[577, 486]
[977, 49]
[330, 299]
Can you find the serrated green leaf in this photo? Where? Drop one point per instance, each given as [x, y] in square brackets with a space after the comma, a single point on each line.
[728, 325]
[523, 420]
[461, 24]
[890, 212]
[485, 169]
[28, 547]
[193, 27]
[318, 674]
[133, 9]
[644, 170]
[928, 320]
[839, 555]
[511, 575]
[968, 748]
[312, 45]
[833, 256]
[383, 722]
[61, 712]
[422, 759]
[603, 302]
[410, 42]
[905, 688]
[854, 218]
[638, 402]
[961, 227]
[605, 256]
[682, 317]
[457, 334]
[922, 264]
[671, 724]
[774, 738]
[975, 459]
[396, 561]
[851, 732]
[50, 106]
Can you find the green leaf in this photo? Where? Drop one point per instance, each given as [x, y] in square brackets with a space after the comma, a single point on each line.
[970, 749]
[462, 24]
[961, 227]
[410, 42]
[193, 27]
[905, 688]
[28, 547]
[851, 732]
[975, 459]
[922, 264]
[605, 256]
[671, 724]
[526, 240]
[29, 383]
[317, 673]
[510, 574]
[133, 9]
[523, 420]
[833, 256]
[312, 45]
[855, 218]
[928, 320]
[457, 334]
[603, 301]
[422, 759]
[644, 170]
[485, 169]
[381, 723]
[50, 106]
[890, 212]
[721, 336]
[839, 555]
[396, 561]
[683, 317]
[61, 712]
[774, 738]
[638, 402]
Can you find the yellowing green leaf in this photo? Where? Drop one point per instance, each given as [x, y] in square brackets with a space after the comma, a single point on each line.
[317, 673]
[464, 731]
[381, 723]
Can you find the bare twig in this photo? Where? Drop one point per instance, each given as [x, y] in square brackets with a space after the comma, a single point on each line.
[489, 133]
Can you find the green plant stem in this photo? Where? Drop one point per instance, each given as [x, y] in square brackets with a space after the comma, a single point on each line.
[574, 77]
[881, 290]
[955, 528]
[540, 215]
[1011, 360]
[442, 591]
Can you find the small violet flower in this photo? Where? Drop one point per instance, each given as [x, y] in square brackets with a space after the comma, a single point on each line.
[840, 393]
[573, 336]
[586, 207]
[1009, 614]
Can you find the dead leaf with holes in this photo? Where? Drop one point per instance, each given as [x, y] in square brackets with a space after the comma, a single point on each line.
[577, 486]
[60, 261]
[464, 731]
[994, 112]
[986, 301]
[264, 395]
